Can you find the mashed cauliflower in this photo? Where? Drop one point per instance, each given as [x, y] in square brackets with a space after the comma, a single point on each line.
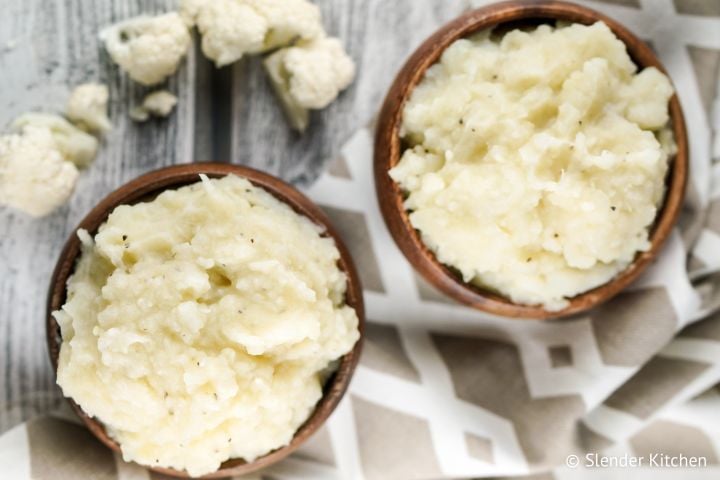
[536, 162]
[200, 326]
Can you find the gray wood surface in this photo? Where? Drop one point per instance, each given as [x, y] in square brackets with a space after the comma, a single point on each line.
[47, 46]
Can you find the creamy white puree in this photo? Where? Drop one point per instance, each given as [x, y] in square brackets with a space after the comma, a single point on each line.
[537, 160]
[200, 326]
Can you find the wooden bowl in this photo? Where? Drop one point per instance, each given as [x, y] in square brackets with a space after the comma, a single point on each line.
[388, 149]
[145, 188]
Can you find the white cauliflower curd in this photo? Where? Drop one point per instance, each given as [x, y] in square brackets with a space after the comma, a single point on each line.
[87, 107]
[76, 146]
[536, 162]
[157, 104]
[35, 176]
[288, 21]
[200, 326]
[309, 75]
[149, 49]
[233, 28]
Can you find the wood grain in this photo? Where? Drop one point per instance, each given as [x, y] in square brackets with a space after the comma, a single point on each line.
[56, 48]
[148, 186]
[508, 15]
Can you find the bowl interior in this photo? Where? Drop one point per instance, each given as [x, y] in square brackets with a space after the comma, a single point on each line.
[503, 17]
[147, 187]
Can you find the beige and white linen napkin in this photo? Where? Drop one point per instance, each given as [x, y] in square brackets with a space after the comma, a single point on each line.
[443, 391]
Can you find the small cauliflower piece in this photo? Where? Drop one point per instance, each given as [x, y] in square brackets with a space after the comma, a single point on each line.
[318, 70]
[233, 28]
[149, 49]
[34, 176]
[309, 75]
[158, 104]
[229, 28]
[297, 116]
[288, 21]
[87, 107]
[139, 114]
[75, 145]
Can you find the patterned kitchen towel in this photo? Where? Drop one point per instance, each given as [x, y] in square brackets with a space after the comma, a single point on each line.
[443, 391]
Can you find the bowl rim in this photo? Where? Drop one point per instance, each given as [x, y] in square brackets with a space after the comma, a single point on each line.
[387, 151]
[176, 176]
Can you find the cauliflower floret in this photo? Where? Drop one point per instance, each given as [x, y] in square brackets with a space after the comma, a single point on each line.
[288, 20]
[309, 75]
[233, 28]
[87, 107]
[298, 116]
[75, 145]
[229, 28]
[318, 70]
[34, 176]
[149, 49]
[158, 104]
